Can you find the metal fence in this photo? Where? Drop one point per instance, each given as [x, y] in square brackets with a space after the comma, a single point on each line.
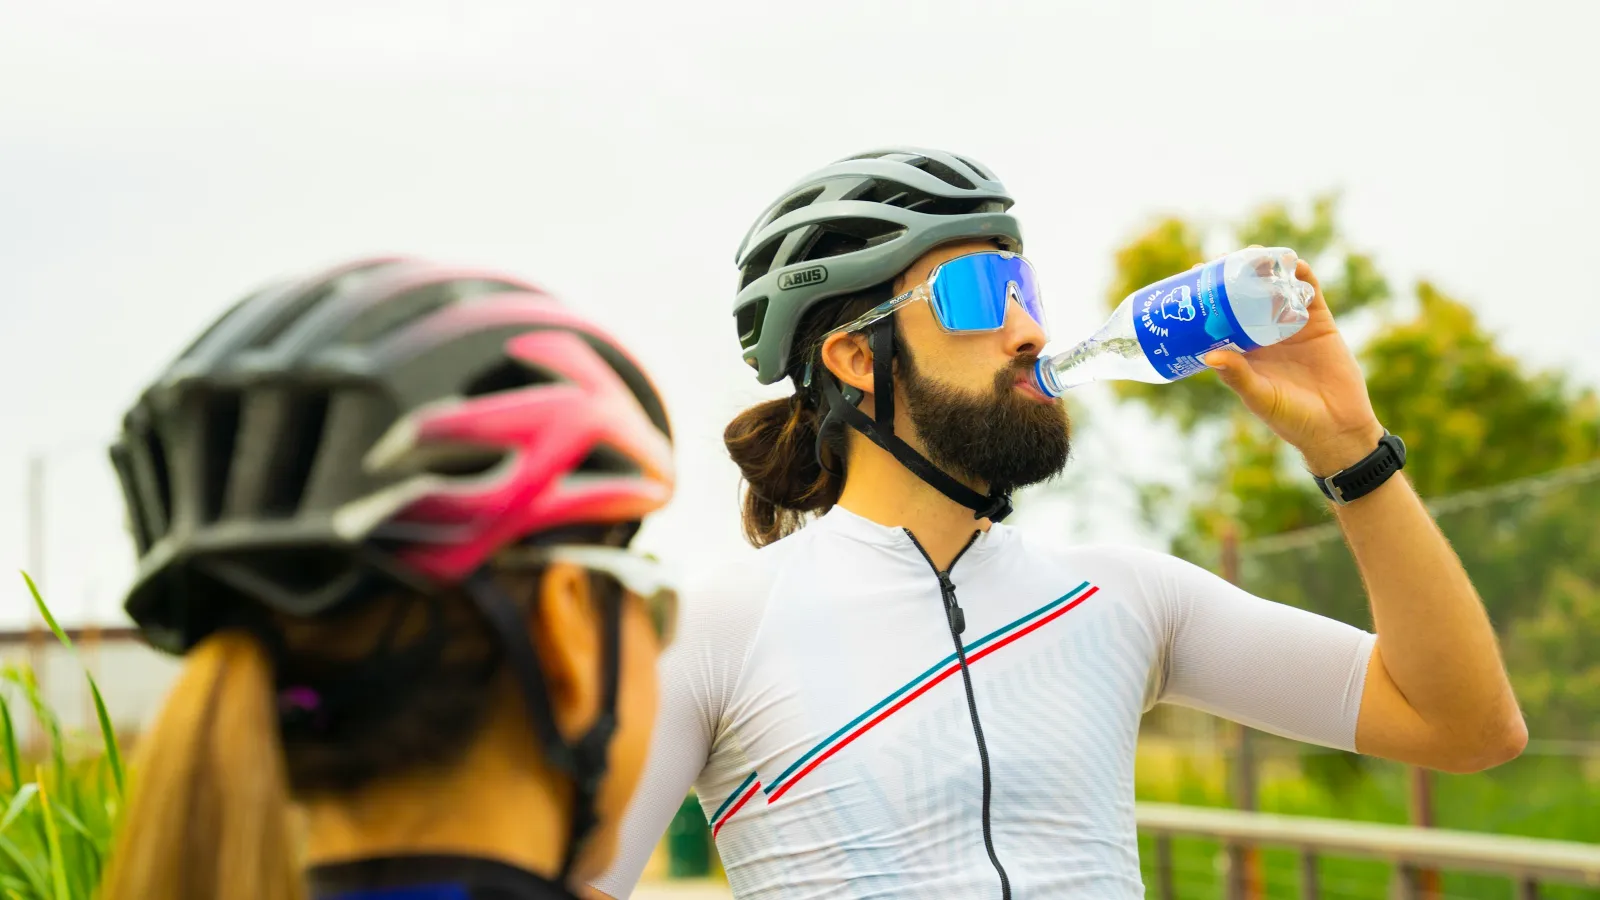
[1524, 863]
[132, 678]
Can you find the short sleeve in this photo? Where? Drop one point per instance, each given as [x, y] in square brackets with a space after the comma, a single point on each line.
[698, 674]
[1271, 666]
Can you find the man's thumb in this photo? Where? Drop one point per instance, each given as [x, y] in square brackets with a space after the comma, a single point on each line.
[1233, 369]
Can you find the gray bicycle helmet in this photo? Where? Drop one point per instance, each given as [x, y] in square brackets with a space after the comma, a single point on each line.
[853, 225]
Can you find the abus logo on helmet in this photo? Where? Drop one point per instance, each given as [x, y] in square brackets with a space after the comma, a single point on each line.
[802, 278]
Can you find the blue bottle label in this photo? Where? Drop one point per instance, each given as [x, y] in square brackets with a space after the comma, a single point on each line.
[1182, 318]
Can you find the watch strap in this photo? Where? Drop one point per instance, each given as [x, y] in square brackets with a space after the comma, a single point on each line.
[1357, 481]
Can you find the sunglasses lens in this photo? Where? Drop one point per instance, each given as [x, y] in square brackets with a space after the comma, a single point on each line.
[1027, 291]
[969, 294]
[972, 293]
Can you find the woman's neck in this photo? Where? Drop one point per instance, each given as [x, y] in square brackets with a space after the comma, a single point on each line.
[491, 804]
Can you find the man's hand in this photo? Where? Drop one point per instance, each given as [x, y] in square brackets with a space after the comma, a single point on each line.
[1308, 389]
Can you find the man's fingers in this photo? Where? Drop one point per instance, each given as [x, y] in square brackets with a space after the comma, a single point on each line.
[1236, 372]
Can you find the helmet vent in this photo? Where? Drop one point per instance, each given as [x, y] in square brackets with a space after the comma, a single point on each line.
[977, 168]
[298, 440]
[841, 236]
[297, 308]
[891, 193]
[162, 476]
[603, 460]
[759, 264]
[506, 375]
[943, 172]
[220, 435]
[394, 314]
[463, 462]
[798, 201]
[749, 318]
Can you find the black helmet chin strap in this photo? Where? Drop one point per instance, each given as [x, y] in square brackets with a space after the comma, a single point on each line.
[585, 759]
[880, 428]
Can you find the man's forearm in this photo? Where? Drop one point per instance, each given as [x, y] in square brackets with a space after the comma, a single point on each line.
[1434, 637]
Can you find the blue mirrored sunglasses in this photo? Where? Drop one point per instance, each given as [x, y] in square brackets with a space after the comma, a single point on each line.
[969, 294]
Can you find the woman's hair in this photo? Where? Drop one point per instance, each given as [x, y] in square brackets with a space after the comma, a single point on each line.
[209, 812]
[775, 443]
[303, 707]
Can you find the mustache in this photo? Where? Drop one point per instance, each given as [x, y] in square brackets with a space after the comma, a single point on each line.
[1020, 366]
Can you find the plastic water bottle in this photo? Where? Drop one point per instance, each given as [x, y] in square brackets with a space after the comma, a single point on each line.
[1245, 300]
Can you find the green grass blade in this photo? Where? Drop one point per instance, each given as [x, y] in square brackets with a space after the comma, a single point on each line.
[13, 756]
[24, 865]
[45, 611]
[58, 863]
[86, 865]
[108, 735]
[18, 804]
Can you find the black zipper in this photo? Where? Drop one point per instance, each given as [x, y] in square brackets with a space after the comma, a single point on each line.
[958, 624]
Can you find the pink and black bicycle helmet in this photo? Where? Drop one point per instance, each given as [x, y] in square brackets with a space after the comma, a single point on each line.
[387, 423]
[388, 414]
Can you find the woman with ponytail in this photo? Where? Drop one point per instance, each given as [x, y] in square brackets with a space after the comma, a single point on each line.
[383, 514]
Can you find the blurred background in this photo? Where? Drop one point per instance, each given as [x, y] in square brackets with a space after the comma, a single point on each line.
[1435, 160]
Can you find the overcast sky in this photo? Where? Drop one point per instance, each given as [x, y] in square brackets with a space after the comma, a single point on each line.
[159, 159]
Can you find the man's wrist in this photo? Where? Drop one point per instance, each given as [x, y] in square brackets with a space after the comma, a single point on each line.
[1341, 453]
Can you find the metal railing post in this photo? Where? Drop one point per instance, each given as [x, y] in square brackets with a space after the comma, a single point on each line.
[1164, 879]
[1310, 889]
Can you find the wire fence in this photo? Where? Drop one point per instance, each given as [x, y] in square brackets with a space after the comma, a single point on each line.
[1532, 548]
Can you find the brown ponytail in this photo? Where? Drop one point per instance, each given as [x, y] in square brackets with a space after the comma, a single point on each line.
[209, 813]
[775, 446]
[775, 443]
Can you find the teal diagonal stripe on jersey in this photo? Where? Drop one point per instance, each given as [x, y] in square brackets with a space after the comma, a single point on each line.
[911, 685]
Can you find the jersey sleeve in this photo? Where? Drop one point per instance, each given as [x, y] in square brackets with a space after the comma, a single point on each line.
[1273, 667]
[697, 676]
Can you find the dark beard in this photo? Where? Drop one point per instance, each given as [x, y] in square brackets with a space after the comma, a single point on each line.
[998, 437]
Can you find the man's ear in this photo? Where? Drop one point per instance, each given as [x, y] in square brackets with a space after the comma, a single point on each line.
[849, 357]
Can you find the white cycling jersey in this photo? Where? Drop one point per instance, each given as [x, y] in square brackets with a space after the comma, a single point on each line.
[815, 702]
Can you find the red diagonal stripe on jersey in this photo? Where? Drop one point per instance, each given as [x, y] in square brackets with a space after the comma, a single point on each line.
[742, 801]
[1032, 627]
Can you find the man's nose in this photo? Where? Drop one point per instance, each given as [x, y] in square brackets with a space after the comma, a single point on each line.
[1022, 332]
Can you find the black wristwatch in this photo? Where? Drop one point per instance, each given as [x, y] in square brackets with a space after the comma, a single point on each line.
[1364, 477]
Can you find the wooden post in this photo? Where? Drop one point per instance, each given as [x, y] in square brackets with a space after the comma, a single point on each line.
[1246, 878]
[1407, 884]
[1165, 884]
[1310, 887]
[36, 636]
[1427, 880]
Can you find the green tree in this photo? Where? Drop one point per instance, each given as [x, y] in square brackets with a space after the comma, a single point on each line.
[1550, 654]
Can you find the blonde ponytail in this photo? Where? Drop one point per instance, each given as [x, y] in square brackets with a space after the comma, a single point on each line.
[209, 812]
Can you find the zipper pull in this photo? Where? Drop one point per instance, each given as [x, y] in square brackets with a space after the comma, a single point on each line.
[952, 609]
